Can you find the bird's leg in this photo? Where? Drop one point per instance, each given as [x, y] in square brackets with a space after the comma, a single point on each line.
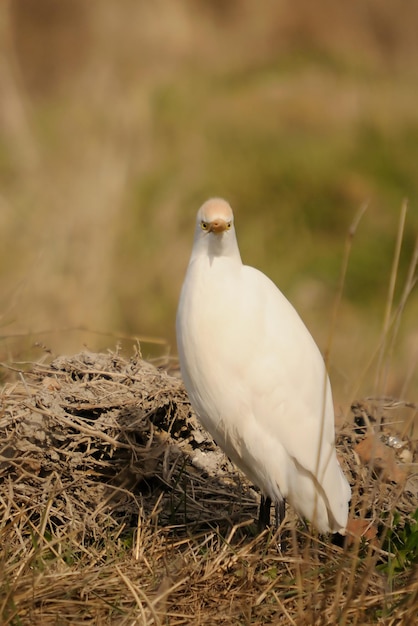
[264, 517]
[264, 513]
[280, 510]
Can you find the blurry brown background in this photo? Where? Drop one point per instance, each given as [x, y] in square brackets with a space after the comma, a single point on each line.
[118, 119]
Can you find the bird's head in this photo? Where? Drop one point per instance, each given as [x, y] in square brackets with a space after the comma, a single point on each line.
[215, 216]
[215, 233]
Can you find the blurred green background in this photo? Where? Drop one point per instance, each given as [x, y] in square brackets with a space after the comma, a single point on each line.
[119, 119]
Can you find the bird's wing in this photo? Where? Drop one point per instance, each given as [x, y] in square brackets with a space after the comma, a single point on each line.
[249, 359]
[290, 392]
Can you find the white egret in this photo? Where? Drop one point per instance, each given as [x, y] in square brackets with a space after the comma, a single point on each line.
[256, 378]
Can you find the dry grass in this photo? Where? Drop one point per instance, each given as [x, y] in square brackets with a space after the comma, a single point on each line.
[117, 509]
[116, 121]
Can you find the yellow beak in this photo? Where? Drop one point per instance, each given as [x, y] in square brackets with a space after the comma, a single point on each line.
[217, 226]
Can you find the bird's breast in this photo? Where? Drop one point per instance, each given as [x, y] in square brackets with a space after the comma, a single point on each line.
[211, 340]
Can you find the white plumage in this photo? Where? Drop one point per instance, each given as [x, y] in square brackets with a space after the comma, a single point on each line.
[256, 378]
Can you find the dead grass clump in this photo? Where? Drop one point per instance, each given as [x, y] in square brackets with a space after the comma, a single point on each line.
[116, 508]
[92, 439]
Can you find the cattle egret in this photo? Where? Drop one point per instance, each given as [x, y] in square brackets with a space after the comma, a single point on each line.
[256, 378]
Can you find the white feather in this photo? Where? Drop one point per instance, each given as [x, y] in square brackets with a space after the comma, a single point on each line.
[256, 378]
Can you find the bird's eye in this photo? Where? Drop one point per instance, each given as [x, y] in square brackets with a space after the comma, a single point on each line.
[228, 225]
[204, 225]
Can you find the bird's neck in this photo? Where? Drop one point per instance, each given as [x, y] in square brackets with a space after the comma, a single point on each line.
[217, 249]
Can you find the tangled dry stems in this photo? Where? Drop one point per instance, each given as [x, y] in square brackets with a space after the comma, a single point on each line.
[117, 508]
